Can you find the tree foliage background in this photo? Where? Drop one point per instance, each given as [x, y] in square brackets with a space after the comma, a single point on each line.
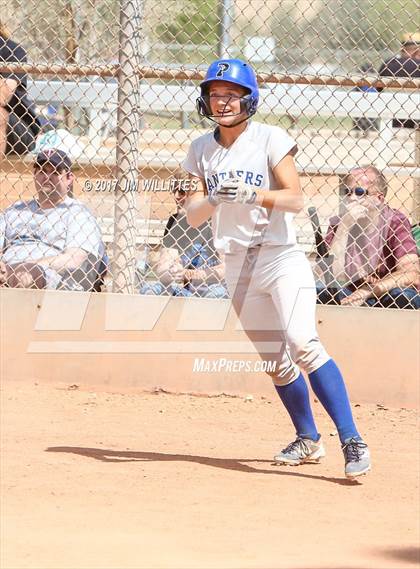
[307, 32]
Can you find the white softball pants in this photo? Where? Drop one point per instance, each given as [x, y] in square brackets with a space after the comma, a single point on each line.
[273, 292]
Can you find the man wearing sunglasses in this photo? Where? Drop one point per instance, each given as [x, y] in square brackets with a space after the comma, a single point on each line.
[374, 254]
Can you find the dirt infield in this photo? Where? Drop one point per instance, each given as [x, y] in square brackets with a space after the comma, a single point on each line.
[100, 480]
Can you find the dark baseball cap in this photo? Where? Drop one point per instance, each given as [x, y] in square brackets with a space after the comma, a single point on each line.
[55, 157]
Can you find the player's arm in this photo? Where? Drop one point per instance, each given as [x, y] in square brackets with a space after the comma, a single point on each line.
[288, 195]
[197, 206]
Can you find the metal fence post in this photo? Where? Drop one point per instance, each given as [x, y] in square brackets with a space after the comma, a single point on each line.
[225, 11]
[416, 194]
[128, 128]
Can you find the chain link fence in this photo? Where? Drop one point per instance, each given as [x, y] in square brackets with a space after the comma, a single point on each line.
[113, 86]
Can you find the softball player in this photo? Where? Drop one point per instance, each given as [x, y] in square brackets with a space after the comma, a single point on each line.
[249, 186]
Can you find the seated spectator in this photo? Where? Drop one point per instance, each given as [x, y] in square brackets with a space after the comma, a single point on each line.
[52, 241]
[187, 264]
[407, 65]
[415, 230]
[374, 255]
[19, 124]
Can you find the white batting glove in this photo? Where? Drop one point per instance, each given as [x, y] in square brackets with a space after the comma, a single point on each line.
[213, 198]
[233, 190]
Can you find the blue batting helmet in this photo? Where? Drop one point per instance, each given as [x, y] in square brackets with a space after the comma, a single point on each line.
[234, 71]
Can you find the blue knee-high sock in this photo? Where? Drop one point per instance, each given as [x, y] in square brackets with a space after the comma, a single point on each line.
[295, 397]
[328, 385]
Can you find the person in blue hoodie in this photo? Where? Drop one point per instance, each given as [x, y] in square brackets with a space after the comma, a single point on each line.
[187, 263]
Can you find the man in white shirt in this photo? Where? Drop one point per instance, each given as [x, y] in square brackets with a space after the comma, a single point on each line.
[53, 240]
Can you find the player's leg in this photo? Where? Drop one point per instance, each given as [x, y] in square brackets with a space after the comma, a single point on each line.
[293, 292]
[260, 321]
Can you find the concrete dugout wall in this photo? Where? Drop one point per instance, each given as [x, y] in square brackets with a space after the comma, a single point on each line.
[125, 343]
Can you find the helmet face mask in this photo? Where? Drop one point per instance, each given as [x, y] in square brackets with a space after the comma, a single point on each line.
[204, 106]
[233, 71]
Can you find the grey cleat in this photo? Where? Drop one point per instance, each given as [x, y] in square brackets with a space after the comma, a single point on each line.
[301, 451]
[357, 458]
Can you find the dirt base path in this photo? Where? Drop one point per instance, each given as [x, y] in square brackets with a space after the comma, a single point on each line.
[99, 480]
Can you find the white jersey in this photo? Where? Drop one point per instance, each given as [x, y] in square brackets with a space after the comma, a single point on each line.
[28, 232]
[252, 158]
